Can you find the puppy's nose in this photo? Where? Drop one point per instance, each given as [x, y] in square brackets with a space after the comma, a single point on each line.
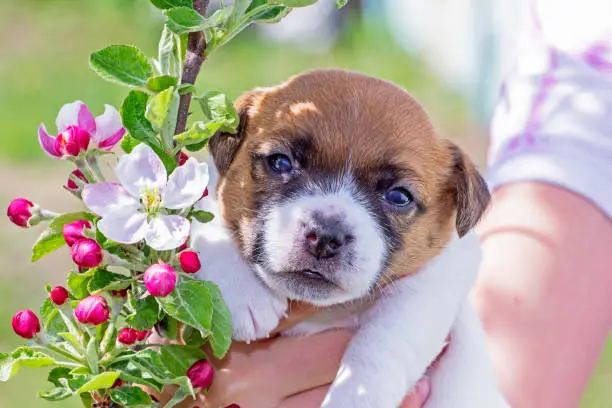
[327, 240]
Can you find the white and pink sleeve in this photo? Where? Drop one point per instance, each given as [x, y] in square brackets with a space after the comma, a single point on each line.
[553, 122]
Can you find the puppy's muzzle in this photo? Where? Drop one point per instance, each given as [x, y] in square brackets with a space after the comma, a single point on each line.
[325, 237]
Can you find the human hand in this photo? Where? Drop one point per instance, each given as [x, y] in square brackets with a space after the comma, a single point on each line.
[263, 374]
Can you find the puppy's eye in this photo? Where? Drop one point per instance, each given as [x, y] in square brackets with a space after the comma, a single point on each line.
[280, 163]
[399, 197]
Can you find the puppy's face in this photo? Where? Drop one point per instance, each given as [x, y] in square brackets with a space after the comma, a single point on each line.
[336, 183]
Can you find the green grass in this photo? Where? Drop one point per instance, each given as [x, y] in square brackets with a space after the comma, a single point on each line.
[44, 48]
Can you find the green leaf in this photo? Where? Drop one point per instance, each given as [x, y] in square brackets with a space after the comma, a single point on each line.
[100, 381]
[133, 118]
[87, 399]
[166, 4]
[133, 375]
[293, 3]
[78, 283]
[168, 327]
[218, 108]
[161, 113]
[168, 53]
[22, 357]
[193, 337]
[92, 354]
[50, 318]
[128, 143]
[106, 280]
[178, 358]
[50, 240]
[122, 64]
[238, 10]
[63, 219]
[146, 313]
[269, 14]
[190, 303]
[56, 394]
[203, 216]
[177, 398]
[57, 374]
[130, 397]
[197, 146]
[183, 20]
[198, 133]
[186, 88]
[341, 3]
[162, 82]
[72, 339]
[222, 330]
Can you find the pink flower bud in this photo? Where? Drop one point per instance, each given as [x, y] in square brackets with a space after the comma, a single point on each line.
[233, 406]
[86, 253]
[118, 383]
[73, 231]
[26, 324]
[182, 158]
[201, 374]
[190, 263]
[72, 141]
[59, 295]
[160, 279]
[205, 193]
[19, 212]
[127, 335]
[71, 185]
[142, 335]
[92, 310]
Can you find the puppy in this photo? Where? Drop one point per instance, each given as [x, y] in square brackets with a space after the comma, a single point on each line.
[336, 191]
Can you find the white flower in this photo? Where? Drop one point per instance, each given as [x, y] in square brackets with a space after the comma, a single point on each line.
[137, 208]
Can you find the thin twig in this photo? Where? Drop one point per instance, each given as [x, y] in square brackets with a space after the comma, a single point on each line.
[194, 58]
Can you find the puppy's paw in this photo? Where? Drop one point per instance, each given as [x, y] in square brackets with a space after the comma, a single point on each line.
[255, 312]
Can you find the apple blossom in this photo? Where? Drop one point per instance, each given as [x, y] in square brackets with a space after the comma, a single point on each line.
[137, 208]
[76, 127]
[74, 231]
[59, 295]
[92, 310]
[160, 279]
[71, 184]
[26, 324]
[201, 374]
[86, 253]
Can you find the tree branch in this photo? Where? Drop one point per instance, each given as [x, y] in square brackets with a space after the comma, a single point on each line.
[194, 58]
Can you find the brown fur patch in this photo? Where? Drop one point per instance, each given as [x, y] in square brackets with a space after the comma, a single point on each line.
[350, 120]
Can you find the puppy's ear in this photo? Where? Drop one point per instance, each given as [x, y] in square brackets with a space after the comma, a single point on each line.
[224, 146]
[472, 194]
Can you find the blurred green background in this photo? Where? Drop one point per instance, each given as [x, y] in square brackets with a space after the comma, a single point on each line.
[44, 49]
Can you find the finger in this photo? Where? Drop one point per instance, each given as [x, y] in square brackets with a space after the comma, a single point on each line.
[418, 396]
[308, 362]
[307, 399]
[296, 313]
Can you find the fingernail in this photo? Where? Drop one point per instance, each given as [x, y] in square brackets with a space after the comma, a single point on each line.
[422, 389]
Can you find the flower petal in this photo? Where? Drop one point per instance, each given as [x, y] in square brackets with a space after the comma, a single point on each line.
[140, 170]
[68, 115]
[186, 185]
[47, 142]
[126, 227]
[167, 232]
[107, 198]
[109, 143]
[107, 124]
[86, 120]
